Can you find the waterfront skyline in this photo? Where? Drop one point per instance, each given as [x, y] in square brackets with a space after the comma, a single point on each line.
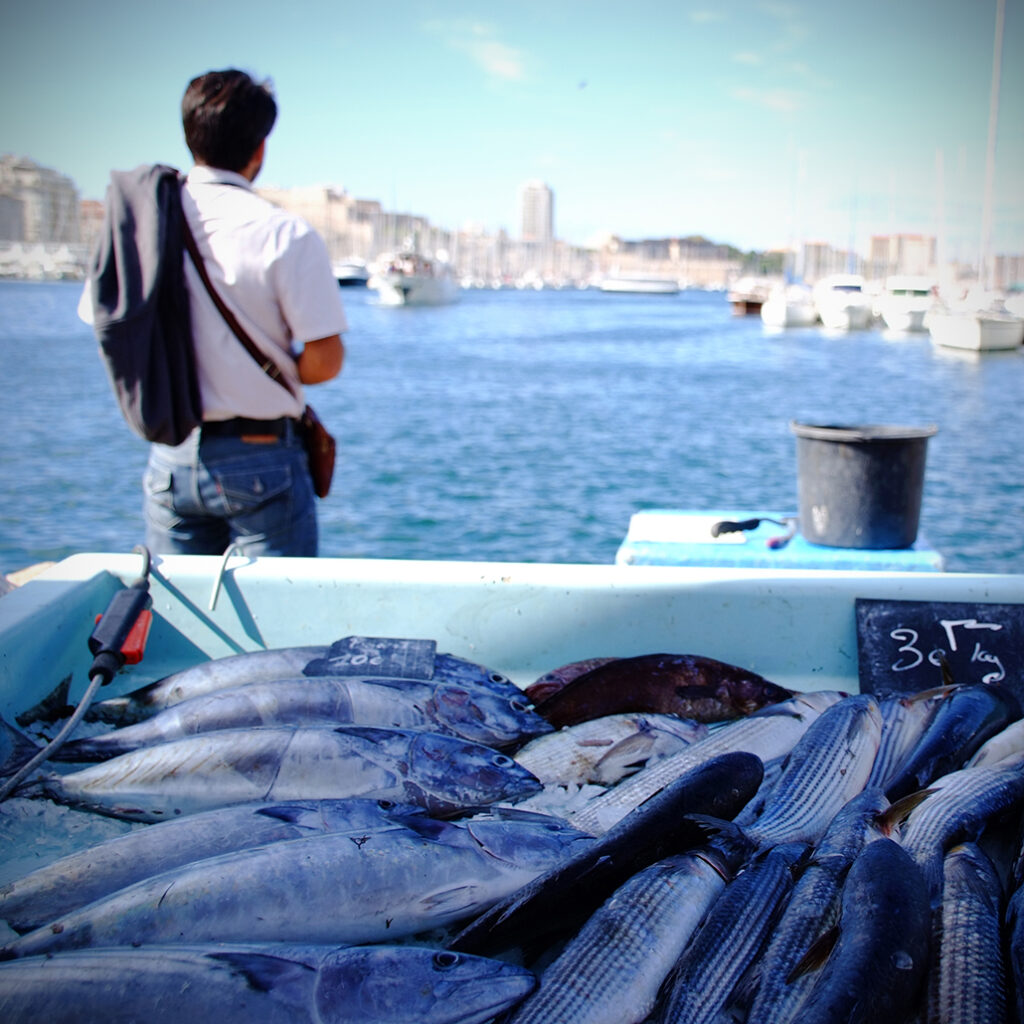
[752, 123]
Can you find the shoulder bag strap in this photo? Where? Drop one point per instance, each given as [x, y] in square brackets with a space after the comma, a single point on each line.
[267, 365]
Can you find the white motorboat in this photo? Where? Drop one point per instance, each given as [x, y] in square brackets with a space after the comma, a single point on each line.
[905, 301]
[638, 284]
[842, 302]
[975, 330]
[352, 273]
[413, 279]
[789, 305]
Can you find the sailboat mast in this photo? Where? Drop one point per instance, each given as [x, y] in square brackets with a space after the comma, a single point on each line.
[990, 155]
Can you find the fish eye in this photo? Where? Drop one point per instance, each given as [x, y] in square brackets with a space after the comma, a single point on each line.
[445, 960]
[497, 677]
[386, 805]
[502, 761]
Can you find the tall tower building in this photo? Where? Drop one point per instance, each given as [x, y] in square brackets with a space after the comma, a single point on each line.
[537, 212]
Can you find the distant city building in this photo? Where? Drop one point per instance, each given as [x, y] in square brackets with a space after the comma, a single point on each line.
[48, 203]
[537, 212]
[902, 254]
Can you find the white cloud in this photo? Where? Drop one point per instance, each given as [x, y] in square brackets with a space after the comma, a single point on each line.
[478, 42]
[782, 101]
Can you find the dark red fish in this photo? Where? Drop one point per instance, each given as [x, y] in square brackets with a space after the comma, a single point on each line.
[558, 678]
[687, 685]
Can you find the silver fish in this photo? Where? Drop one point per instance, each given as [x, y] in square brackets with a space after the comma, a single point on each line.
[444, 774]
[96, 871]
[611, 971]
[731, 938]
[813, 908]
[956, 809]
[769, 733]
[334, 888]
[1005, 745]
[604, 750]
[967, 981]
[904, 721]
[349, 656]
[828, 766]
[878, 964]
[471, 713]
[270, 984]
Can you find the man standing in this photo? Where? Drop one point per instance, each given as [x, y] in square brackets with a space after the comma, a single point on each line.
[242, 477]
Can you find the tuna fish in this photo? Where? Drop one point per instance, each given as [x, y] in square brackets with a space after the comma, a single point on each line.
[473, 714]
[334, 888]
[444, 774]
[271, 984]
[351, 656]
[92, 873]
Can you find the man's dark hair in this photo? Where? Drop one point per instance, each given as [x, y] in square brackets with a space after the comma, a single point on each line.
[226, 115]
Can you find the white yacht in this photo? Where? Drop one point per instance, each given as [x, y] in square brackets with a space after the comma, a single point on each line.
[905, 301]
[411, 279]
[843, 303]
[789, 305]
[640, 284]
[351, 273]
[975, 327]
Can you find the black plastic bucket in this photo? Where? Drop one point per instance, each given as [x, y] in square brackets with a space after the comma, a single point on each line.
[860, 486]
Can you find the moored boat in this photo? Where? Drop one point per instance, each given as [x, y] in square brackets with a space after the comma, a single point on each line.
[410, 278]
[789, 305]
[842, 302]
[747, 296]
[640, 284]
[352, 273]
[905, 301]
[985, 330]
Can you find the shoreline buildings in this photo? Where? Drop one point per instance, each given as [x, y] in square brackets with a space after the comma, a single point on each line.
[47, 232]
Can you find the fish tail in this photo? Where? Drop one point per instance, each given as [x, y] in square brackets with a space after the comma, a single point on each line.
[16, 750]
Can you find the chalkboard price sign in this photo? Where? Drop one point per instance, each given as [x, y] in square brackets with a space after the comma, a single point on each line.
[901, 644]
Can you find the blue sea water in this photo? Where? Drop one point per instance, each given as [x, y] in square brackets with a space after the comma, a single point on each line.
[530, 425]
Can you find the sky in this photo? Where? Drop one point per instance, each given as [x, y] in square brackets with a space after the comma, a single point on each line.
[751, 123]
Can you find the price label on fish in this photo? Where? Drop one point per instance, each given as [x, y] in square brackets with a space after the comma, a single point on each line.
[376, 656]
[902, 645]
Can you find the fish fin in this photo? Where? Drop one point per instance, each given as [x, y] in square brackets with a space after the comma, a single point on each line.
[16, 749]
[262, 971]
[458, 897]
[898, 811]
[53, 707]
[817, 953]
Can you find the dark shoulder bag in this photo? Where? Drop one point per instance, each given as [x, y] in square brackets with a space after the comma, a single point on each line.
[319, 444]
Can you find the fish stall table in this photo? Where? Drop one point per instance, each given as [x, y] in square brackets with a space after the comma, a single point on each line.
[798, 628]
[685, 538]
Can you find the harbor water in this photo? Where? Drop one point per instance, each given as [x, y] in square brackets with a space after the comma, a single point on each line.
[530, 425]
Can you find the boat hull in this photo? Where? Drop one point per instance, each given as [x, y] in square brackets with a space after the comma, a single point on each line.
[976, 332]
[411, 290]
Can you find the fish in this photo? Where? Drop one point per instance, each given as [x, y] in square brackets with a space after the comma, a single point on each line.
[96, 871]
[962, 723]
[956, 808]
[1003, 746]
[813, 907]
[730, 940]
[442, 773]
[471, 713]
[770, 733]
[610, 972]
[688, 813]
[551, 682]
[967, 981]
[335, 888]
[828, 766]
[602, 751]
[687, 685]
[238, 984]
[350, 656]
[879, 955]
[904, 721]
[1014, 930]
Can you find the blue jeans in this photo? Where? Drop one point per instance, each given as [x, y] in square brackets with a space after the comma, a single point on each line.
[211, 492]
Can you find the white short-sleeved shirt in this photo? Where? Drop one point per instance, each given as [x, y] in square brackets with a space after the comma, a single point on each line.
[273, 272]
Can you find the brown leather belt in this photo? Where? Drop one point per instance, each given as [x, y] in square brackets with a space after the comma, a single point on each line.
[240, 426]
